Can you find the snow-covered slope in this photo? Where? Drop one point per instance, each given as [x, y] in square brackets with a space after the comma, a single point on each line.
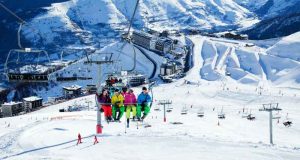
[287, 47]
[49, 134]
[232, 60]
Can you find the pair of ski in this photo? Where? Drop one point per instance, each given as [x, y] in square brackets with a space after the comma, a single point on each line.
[138, 124]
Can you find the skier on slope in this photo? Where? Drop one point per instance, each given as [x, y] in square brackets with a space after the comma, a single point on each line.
[143, 104]
[117, 101]
[130, 105]
[105, 102]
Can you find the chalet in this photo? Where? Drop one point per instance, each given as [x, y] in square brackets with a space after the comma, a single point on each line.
[31, 103]
[72, 91]
[11, 109]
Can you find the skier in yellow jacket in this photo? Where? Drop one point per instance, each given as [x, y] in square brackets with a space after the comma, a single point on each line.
[117, 101]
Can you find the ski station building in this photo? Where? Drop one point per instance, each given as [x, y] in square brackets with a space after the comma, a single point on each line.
[31, 103]
[11, 109]
[72, 91]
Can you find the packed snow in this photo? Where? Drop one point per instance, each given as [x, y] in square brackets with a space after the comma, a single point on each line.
[50, 134]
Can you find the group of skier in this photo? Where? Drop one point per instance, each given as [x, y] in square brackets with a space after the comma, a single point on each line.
[124, 101]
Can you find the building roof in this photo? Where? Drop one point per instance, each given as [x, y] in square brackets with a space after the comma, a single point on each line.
[144, 34]
[11, 103]
[73, 87]
[32, 99]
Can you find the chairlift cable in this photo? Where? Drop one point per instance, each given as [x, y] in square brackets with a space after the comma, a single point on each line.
[12, 13]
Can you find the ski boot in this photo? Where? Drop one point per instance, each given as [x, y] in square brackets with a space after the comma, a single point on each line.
[127, 122]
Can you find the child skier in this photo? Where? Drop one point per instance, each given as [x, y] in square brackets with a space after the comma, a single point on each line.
[143, 104]
[130, 105]
[118, 105]
[105, 102]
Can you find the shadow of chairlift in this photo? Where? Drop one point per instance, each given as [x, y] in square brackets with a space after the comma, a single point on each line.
[157, 108]
[221, 115]
[287, 122]
[169, 109]
[249, 116]
[200, 113]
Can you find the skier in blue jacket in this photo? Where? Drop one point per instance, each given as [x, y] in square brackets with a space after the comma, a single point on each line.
[143, 104]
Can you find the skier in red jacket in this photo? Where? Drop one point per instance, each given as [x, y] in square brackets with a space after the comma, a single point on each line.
[105, 102]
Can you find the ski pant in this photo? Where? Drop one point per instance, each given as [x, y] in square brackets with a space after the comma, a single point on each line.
[139, 109]
[130, 108]
[116, 109]
[107, 110]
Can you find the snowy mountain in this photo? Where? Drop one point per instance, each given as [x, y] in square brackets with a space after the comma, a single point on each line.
[274, 8]
[110, 16]
[275, 27]
[252, 5]
[279, 18]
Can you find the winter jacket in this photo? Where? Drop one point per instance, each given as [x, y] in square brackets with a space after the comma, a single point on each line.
[144, 99]
[103, 99]
[130, 99]
[117, 100]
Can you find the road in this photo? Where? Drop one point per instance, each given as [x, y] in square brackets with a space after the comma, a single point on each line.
[151, 59]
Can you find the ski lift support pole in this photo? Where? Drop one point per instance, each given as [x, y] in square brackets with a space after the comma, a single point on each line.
[164, 103]
[99, 63]
[270, 109]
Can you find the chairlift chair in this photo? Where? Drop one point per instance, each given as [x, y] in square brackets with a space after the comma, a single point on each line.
[21, 71]
[221, 115]
[200, 114]
[287, 122]
[169, 109]
[157, 108]
[277, 116]
[184, 111]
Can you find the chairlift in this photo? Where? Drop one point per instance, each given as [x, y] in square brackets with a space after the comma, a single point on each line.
[277, 115]
[221, 115]
[19, 70]
[22, 70]
[157, 108]
[200, 114]
[245, 114]
[287, 122]
[169, 109]
[184, 111]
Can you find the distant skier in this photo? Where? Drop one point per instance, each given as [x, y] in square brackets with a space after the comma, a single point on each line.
[117, 101]
[143, 104]
[105, 102]
[79, 139]
[130, 105]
